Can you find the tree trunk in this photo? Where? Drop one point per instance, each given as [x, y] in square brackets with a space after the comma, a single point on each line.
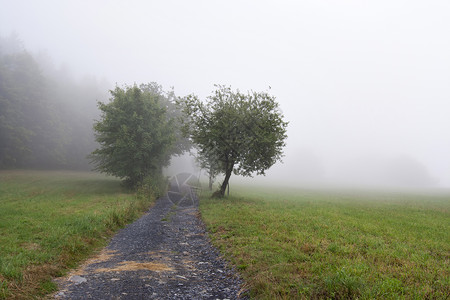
[223, 187]
[210, 182]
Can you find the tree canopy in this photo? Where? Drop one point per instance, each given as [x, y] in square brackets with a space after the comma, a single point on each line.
[240, 133]
[136, 133]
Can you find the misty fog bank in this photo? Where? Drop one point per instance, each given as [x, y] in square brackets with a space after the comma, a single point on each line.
[305, 170]
[364, 85]
[46, 116]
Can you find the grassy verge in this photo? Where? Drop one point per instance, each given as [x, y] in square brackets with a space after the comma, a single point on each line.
[50, 221]
[294, 244]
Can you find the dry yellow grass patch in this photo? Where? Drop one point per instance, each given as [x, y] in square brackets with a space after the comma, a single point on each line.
[104, 255]
[136, 266]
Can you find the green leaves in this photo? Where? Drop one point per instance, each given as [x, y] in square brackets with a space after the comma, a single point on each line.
[136, 134]
[235, 132]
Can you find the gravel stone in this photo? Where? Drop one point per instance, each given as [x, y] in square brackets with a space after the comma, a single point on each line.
[166, 254]
[77, 279]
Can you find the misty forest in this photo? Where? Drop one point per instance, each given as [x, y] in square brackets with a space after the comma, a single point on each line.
[224, 150]
[46, 115]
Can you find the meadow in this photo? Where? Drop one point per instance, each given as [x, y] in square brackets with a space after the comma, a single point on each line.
[307, 244]
[51, 220]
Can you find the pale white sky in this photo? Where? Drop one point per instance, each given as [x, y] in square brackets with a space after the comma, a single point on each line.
[356, 79]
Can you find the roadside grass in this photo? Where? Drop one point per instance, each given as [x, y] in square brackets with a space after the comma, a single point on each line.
[51, 220]
[299, 244]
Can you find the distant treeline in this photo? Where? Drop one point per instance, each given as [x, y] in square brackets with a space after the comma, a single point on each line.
[46, 116]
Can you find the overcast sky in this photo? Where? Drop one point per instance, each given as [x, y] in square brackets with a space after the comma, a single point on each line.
[359, 81]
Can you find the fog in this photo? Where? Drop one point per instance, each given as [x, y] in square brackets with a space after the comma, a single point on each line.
[363, 84]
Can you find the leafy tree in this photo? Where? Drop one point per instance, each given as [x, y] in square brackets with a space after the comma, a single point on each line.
[209, 162]
[235, 132]
[168, 101]
[135, 134]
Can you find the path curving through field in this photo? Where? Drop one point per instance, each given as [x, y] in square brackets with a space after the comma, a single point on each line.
[166, 254]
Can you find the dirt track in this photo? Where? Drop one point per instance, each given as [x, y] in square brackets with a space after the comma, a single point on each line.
[166, 254]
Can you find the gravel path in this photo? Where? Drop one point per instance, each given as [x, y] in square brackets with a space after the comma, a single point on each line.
[166, 254]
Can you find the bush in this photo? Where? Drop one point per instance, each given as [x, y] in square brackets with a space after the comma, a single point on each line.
[153, 187]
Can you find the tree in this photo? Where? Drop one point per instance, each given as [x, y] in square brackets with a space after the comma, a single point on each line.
[168, 101]
[235, 132]
[209, 162]
[135, 134]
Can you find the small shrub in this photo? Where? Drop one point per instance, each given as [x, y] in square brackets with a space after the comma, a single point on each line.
[153, 187]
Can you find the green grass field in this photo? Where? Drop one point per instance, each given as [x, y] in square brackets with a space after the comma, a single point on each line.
[299, 244]
[50, 221]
